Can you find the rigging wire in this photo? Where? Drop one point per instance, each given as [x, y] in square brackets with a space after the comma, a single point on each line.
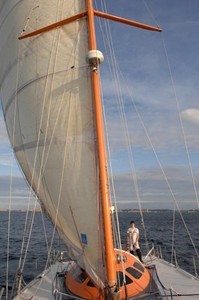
[186, 148]
[41, 171]
[116, 228]
[8, 237]
[45, 232]
[56, 122]
[11, 182]
[43, 165]
[151, 13]
[161, 167]
[173, 237]
[108, 42]
[108, 46]
[180, 120]
[65, 152]
[11, 173]
[115, 72]
[39, 179]
[162, 170]
[117, 235]
[62, 174]
[28, 226]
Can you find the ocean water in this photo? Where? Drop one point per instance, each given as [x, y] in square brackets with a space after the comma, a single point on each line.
[159, 231]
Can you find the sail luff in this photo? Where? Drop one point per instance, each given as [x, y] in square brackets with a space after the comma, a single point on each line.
[108, 236]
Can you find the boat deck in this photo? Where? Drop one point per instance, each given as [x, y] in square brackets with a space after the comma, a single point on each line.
[178, 283]
[41, 287]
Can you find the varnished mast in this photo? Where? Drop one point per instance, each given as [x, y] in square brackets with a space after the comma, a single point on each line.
[108, 236]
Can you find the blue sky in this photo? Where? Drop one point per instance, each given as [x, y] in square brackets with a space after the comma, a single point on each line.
[161, 104]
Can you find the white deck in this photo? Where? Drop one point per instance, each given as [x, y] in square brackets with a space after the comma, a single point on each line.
[181, 282]
[41, 287]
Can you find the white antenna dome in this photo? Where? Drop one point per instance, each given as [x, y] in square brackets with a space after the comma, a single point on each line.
[94, 57]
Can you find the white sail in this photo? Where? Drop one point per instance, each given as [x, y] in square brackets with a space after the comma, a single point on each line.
[47, 102]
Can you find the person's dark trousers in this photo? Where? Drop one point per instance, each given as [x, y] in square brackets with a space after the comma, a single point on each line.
[138, 252]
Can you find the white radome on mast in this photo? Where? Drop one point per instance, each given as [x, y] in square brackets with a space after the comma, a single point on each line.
[94, 57]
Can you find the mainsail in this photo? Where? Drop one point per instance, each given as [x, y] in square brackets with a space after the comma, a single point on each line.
[47, 102]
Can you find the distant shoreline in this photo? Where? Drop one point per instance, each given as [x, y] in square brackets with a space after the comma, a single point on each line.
[19, 210]
[119, 210]
[154, 210]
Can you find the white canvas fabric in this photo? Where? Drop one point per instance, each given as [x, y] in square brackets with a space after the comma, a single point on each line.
[47, 102]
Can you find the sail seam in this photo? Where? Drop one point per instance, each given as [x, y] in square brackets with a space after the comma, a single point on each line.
[32, 81]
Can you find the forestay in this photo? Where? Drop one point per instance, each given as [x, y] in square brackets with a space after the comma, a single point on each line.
[47, 102]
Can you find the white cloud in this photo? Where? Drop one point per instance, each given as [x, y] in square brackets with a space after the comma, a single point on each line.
[191, 115]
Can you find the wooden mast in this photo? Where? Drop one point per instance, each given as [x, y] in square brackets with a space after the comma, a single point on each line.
[108, 235]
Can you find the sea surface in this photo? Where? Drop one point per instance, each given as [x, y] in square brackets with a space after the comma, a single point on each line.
[158, 232]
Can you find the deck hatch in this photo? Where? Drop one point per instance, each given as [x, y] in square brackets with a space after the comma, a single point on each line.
[90, 283]
[120, 277]
[81, 277]
[135, 273]
[139, 267]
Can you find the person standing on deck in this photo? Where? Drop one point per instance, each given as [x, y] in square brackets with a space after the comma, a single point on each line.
[132, 240]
